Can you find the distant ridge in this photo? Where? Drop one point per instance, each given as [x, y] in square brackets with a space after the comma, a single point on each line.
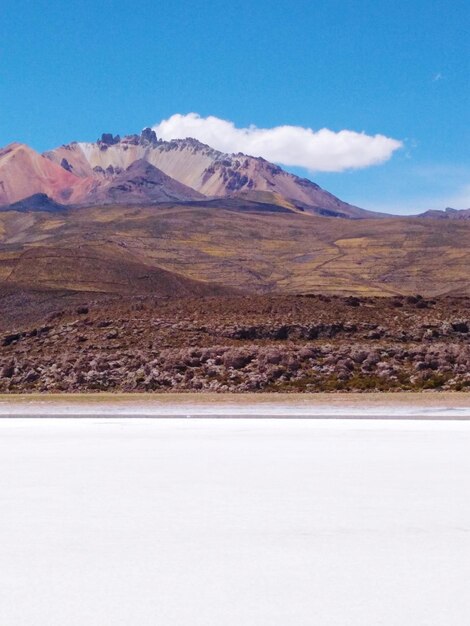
[447, 214]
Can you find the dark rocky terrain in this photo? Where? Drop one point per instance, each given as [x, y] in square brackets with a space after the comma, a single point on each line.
[81, 342]
[36, 202]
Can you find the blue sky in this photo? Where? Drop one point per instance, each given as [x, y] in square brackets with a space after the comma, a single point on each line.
[70, 71]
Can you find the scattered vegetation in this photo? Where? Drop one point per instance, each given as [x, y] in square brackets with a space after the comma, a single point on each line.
[240, 344]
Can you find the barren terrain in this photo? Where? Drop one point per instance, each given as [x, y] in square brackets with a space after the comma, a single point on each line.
[238, 343]
[245, 246]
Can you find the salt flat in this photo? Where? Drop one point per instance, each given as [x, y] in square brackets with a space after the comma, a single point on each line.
[130, 521]
[403, 405]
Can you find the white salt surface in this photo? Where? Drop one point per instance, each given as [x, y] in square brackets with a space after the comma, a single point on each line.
[313, 409]
[173, 522]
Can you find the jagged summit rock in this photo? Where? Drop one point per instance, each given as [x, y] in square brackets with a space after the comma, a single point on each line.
[107, 139]
[149, 136]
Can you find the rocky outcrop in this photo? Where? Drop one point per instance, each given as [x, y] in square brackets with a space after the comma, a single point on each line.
[194, 344]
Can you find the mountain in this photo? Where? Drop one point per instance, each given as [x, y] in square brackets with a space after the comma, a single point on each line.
[139, 169]
[200, 167]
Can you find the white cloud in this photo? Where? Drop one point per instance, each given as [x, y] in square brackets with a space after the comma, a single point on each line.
[322, 150]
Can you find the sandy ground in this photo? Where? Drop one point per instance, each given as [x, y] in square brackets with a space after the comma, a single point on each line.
[234, 522]
[383, 405]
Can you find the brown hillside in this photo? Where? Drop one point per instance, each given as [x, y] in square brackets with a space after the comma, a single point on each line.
[125, 249]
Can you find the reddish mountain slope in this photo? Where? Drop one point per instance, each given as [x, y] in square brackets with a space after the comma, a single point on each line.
[24, 172]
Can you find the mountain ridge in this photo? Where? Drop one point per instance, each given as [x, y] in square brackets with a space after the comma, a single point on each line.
[447, 214]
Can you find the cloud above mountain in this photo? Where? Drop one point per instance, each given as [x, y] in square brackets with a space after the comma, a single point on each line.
[322, 150]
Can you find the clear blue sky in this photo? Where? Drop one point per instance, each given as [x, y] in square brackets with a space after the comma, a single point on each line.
[71, 70]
